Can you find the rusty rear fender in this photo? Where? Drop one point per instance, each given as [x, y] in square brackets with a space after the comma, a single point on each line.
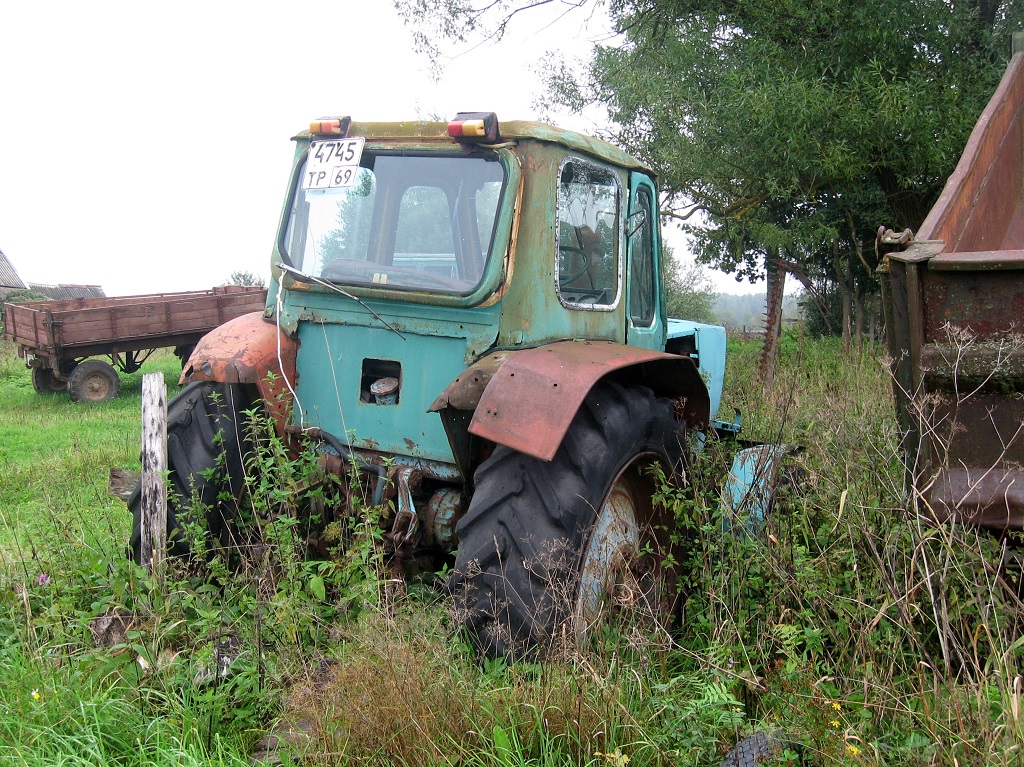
[248, 350]
[527, 399]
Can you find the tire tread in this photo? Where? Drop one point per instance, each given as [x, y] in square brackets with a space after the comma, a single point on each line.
[522, 537]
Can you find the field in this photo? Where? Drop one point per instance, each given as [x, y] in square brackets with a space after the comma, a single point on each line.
[855, 631]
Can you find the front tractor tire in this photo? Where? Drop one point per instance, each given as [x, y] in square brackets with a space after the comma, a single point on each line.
[207, 442]
[547, 550]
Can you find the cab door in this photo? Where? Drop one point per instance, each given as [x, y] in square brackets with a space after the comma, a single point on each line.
[645, 307]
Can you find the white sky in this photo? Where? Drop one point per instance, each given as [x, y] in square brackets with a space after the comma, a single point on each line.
[145, 147]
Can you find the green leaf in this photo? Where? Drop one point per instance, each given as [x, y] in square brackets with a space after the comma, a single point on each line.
[502, 745]
[317, 589]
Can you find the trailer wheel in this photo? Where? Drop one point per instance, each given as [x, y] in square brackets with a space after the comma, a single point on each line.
[548, 549]
[206, 445]
[45, 382]
[93, 381]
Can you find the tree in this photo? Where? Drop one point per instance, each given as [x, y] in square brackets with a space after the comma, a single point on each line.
[689, 294]
[784, 130]
[246, 279]
[20, 296]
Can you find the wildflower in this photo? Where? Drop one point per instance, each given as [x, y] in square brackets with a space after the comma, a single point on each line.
[836, 706]
[36, 695]
[43, 579]
[834, 723]
[852, 750]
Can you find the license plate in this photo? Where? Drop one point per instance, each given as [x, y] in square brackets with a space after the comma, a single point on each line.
[333, 163]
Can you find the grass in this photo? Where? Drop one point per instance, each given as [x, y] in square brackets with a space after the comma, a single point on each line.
[865, 635]
[55, 456]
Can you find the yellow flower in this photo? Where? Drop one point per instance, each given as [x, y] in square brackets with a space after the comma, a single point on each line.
[36, 695]
[836, 706]
[852, 750]
[834, 723]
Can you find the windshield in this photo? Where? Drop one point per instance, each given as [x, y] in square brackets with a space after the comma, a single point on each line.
[408, 221]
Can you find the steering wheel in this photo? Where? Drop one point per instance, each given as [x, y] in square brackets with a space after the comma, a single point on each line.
[564, 279]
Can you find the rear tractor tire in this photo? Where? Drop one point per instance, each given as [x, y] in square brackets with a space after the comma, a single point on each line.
[93, 381]
[548, 550]
[207, 443]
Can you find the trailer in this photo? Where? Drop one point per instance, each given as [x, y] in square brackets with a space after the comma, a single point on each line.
[58, 339]
[954, 303]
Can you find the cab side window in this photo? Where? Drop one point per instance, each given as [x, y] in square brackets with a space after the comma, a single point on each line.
[587, 237]
[641, 267]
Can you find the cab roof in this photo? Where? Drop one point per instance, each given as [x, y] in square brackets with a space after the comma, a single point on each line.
[430, 132]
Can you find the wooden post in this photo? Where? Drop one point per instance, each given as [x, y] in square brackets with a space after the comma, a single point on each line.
[154, 471]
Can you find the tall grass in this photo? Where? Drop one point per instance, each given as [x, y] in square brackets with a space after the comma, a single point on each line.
[861, 633]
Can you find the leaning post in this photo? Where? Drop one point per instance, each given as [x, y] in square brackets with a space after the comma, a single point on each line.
[154, 471]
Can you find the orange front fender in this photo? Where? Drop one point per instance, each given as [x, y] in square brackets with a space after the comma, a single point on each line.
[248, 350]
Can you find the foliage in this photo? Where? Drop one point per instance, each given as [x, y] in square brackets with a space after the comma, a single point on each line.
[803, 128]
[689, 293]
[23, 295]
[19, 297]
[246, 279]
[871, 636]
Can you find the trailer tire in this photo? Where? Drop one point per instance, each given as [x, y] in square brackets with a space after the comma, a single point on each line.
[44, 381]
[542, 541]
[93, 381]
[207, 442]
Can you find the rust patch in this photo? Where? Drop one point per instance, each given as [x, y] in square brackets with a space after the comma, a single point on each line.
[533, 396]
[984, 496]
[245, 350]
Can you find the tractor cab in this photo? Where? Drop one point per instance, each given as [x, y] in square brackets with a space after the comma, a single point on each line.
[408, 252]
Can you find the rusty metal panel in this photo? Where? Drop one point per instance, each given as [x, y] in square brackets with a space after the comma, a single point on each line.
[990, 498]
[955, 323]
[977, 203]
[251, 350]
[534, 395]
[983, 304]
[985, 260]
[969, 395]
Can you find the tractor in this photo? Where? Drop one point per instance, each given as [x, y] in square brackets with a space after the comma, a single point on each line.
[470, 317]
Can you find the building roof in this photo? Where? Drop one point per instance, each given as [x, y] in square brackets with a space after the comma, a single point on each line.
[62, 292]
[9, 279]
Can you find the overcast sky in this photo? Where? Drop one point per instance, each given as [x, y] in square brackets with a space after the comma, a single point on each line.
[145, 147]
